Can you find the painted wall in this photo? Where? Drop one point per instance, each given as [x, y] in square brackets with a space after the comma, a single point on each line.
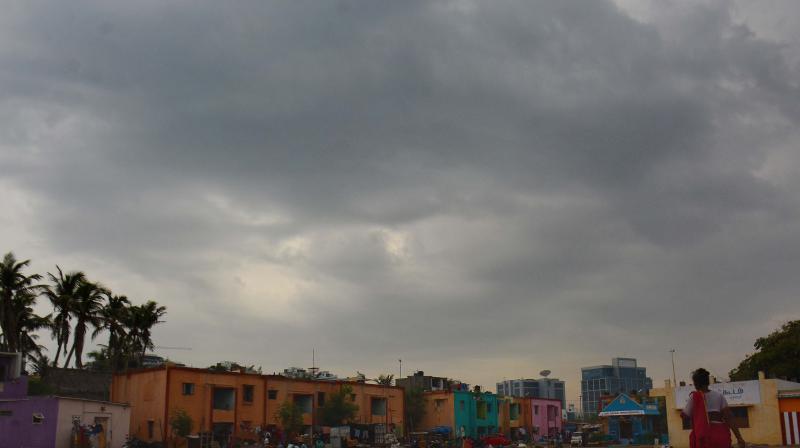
[138, 387]
[286, 388]
[17, 428]
[764, 428]
[146, 392]
[545, 417]
[439, 411]
[789, 404]
[199, 405]
[16, 388]
[466, 414]
[119, 418]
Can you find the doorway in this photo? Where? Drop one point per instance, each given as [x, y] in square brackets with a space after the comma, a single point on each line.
[625, 429]
[222, 433]
[103, 428]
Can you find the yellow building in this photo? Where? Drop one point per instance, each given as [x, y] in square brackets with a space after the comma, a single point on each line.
[755, 405]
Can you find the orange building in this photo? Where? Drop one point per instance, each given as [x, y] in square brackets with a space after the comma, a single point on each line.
[515, 416]
[439, 406]
[235, 403]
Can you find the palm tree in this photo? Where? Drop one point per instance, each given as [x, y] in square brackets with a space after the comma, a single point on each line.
[113, 317]
[88, 303]
[62, 295]
[141, 320]
[28, 323]
[99, 359]
[41, 365]
[15, 287]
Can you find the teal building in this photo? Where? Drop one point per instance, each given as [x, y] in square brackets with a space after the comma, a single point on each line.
[475, 413]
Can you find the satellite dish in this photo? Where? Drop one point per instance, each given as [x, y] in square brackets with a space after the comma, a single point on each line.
[544, 373]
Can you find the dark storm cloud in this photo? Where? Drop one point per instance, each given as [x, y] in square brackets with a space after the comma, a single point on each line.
[538, 181]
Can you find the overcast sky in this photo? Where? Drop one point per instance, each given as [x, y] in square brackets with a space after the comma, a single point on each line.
[483, 189]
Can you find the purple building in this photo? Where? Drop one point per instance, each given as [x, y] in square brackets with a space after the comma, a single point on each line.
[50, 421]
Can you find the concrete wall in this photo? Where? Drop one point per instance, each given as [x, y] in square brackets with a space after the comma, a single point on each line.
[16, 388]
[439, 411]
[155, 393]
[118, 416]
[79, 383]
[764, 418]
[286, 388]
[146, 393]
[466, 415]
[16, 423]
[789, 404]
[548, 417]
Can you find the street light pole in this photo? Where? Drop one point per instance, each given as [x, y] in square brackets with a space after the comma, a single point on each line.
[674, 381]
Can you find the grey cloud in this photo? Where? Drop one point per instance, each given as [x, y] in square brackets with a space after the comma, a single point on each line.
[412, 177]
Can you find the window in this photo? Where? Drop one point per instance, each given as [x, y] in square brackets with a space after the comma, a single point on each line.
[188, 388]
[272, 394]
[304, 402]
[6, 413]
[150, 425]
[320, 398]
[461, 405]
[224, 398]
[740, 417]
[687, 422]
[353, 397]
[488, 407]
[439, 403]
[481, 409]
[536, 409]
[378, 406]
[513, 411]
[248, 391]
[38, 418]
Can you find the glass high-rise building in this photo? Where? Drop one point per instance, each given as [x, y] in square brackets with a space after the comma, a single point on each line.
[541, 388]
[622, 376]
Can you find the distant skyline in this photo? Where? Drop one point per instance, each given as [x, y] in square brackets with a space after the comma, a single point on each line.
[483, 189]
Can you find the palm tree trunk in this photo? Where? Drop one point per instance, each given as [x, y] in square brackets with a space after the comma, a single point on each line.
[69, 356]
[78, 351]
[58, 353]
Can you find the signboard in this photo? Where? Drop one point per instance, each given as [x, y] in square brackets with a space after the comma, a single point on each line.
[737, 393]
[613, 413]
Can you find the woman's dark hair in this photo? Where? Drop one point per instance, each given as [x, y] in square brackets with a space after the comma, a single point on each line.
[700, 377]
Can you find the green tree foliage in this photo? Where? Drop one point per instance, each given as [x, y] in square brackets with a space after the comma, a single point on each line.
[181, 423]
[75, 300]
[338, 408]
[291, 417]
[88, 304]
[385, 380]
[62, 295]
[776, 355]
[415, 407]
[18, 293]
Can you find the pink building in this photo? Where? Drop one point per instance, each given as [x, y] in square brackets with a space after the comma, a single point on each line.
[546, 417]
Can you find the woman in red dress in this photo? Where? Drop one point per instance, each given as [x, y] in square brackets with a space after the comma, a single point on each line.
[712, 420]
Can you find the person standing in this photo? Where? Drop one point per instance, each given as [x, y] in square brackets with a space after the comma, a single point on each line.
[712, 419]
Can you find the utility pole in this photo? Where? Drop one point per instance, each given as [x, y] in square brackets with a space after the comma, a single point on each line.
[401, 368]
[674, 381]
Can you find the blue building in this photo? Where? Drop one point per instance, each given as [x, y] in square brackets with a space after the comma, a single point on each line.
[625, 419]
[622, 376]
